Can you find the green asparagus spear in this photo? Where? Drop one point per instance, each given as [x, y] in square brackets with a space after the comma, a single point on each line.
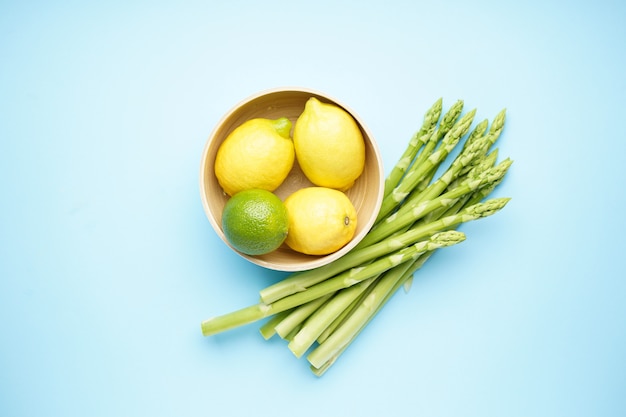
[404, 218]
[387, 257]
[490, 137]
[298, 315]
[415, 176]
[342, 336]
[354, 326]
[469, 154]
[324, 316]
[415, 144]
[328, 286]
[268, 329]
[301, 281]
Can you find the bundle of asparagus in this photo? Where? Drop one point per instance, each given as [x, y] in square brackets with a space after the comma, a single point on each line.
[323, 310]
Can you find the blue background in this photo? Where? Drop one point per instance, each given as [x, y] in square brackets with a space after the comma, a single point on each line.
[108, 263]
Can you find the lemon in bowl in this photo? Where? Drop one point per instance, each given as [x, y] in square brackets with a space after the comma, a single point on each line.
[321, 220]
[329, 145]
[258, 154]
[289, 102]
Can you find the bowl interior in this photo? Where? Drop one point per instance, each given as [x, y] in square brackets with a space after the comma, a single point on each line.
[366, 194]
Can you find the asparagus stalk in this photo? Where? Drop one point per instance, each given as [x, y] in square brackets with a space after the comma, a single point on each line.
[482, 193]
[474, 148]
[491, 137]
[466, 200]
[340, 344]
[478, 133]
[474, 170]
[268, 329]
[497, 126]
[415, 144]
[425, 182]
[250, 314]
[423, 168]
[292, 333]
[487, 162]
[360, 315]
[469, 154]
[422, 179]
[342, 336]
[353, 328]
[301, 281]
[298, 315]
[406, 271]
[386, 258]
[404, 218]
[350, 277]
[324, 316]
[447, 123]
[344, 314]
[342, 280]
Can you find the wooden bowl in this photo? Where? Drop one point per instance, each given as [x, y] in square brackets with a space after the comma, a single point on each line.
[366, 194]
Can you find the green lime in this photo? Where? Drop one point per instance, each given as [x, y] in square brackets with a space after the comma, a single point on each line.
[255, 221]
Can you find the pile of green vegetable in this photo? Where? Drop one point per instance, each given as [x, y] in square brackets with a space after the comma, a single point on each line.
[321, 311]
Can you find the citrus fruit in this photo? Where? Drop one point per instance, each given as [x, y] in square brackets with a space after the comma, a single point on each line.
[255, 221]
[258, 154]
[321, 220]
[329, 145]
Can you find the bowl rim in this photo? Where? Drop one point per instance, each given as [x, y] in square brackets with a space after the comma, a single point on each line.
[315, 261]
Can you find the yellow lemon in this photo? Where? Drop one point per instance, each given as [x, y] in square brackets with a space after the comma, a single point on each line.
[321, 220]
[257, 154]
[329, 145]
[255, 222]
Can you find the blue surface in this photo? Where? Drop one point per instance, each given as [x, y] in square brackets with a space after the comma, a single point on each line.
[108, 263]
